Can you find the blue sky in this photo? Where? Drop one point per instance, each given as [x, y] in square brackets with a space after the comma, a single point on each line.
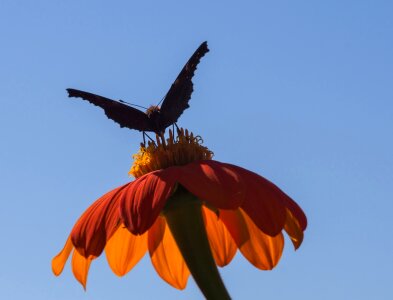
[299, 92]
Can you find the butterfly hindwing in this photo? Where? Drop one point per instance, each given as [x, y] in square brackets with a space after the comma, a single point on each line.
[124, 115]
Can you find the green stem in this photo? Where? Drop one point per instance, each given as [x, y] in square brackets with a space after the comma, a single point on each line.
[183, 213]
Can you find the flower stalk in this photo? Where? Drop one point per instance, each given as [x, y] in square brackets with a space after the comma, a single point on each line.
[183, 213]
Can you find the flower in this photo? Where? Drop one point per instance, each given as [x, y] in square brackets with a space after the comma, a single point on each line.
[176, 179]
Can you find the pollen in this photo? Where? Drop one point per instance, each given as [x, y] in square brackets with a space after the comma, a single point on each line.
[166, 152]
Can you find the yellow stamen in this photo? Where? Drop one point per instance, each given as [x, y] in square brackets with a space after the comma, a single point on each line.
[174, 151]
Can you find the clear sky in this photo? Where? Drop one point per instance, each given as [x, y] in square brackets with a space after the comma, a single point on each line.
[300, 92]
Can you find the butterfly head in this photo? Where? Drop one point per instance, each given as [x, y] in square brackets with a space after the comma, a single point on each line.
[152, 110]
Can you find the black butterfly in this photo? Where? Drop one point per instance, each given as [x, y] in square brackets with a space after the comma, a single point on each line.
[156, 118]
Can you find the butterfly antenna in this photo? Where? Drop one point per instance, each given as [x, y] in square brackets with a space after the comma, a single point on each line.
[159, 103]
[121, 101]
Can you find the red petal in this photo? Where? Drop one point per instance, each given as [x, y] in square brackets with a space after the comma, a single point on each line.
[142, 202]
[275, 193]
[213, 182]
[296, 211]
[264, 202]
[97, 224]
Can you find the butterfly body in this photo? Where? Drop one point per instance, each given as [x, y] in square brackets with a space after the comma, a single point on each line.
[155, 119]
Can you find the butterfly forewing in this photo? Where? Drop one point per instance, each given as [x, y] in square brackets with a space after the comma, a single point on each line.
[176, 100]
[124, 115]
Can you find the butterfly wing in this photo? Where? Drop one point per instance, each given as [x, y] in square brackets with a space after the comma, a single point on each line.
[122, 114]
[176, 100]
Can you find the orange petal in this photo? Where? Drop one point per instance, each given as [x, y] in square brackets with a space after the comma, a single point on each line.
[213, 182]
[260, 249]
[293, 229]
[80, 267]
[165, 255]
[124, 250]
[221, 243]
[97, 224]
[60, 259]
[143, 201]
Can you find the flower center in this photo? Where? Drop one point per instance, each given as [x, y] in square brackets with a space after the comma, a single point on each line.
[173, 151]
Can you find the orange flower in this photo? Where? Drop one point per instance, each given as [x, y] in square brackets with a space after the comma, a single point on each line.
[240, 210]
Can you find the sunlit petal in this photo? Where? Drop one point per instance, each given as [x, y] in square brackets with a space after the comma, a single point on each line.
[144, 200]
[294, 230]
[97, 224]
[260, 249]
[165, 255]
[80, 267]
[124, 250]
[221, 243]
[60, 259]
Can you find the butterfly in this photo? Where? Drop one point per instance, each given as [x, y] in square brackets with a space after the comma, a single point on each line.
[155, 119]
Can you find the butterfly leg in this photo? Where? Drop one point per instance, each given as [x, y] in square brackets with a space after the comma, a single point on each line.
[177, 127]
[146, 135]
